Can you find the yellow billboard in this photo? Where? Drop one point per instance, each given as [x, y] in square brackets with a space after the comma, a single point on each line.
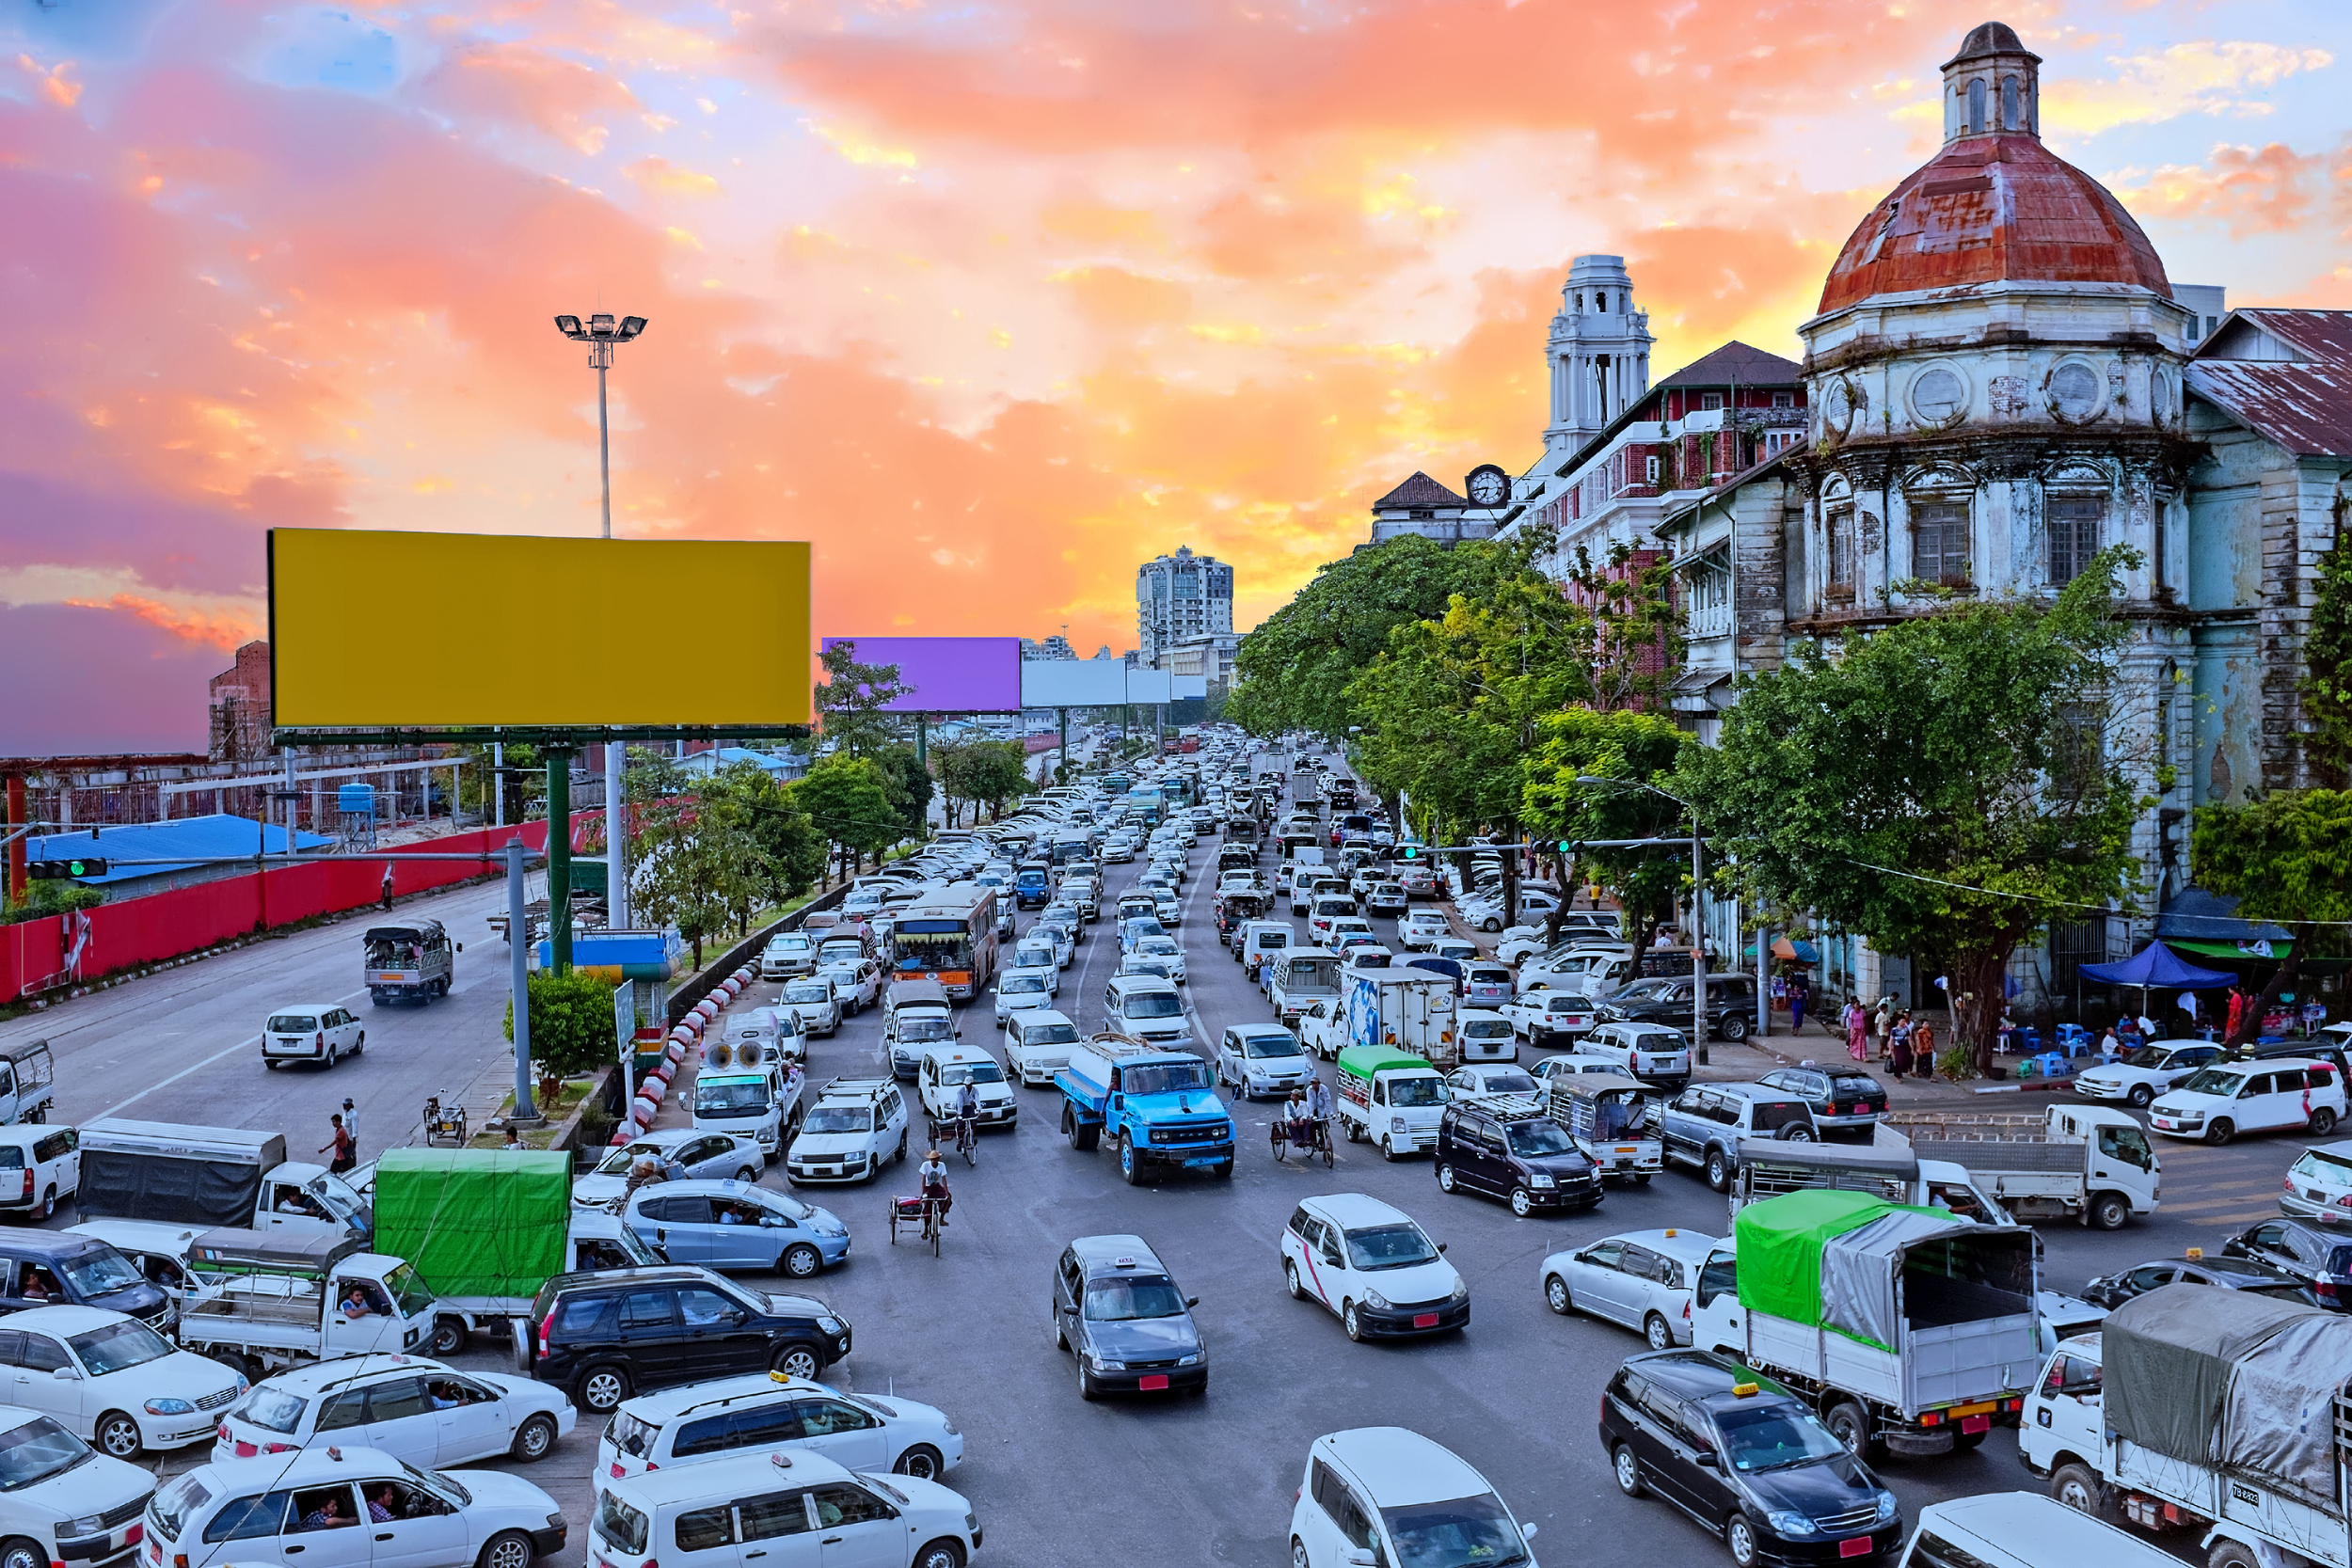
[377, 630]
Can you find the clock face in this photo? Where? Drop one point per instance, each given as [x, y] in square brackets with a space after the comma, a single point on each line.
[1488, 487]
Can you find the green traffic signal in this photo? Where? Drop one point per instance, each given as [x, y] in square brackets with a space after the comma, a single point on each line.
[40, 871]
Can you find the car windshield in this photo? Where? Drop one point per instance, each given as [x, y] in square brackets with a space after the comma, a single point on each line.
[274, 1409]
[632, 1436]
[2146, 1055]
[1388, 1247]
[1013, 985]
[1153, 1004]
[2218, 1081]
[37, 1450]
[1124, 1300]
[1051, 1034]
[118, 1347]
[98, 1273]
[1417, 1091]
[1509, 1083]
[621, 1526]
[840, 1119]
[2321, 1165]
[804, 991]
[971, 1072]
[1165, 1077]
[409, 1295]
[1159, 947]
[1484, 1029]
[914, 1029]
[1774, 1438]
[292, 1023]
[1270, 1045]
[729, 1095]
[1533, 1140]
[176, 1501]
[1467, 1533]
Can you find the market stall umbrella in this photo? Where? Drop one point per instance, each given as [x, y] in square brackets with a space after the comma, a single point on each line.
[2156, 966]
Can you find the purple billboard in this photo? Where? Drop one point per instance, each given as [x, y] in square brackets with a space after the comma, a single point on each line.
[949, 674]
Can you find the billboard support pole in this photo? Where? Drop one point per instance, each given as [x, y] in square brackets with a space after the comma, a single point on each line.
[518, 943]
[1063, 714]
[921, 739]
[560, 857]
[617, 913]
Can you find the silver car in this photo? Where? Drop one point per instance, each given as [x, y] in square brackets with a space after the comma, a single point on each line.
[1021, 989]
[1643, 1279]
[815, 1002]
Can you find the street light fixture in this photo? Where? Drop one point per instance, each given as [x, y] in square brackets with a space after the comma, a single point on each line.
[1698, 915]
[602, 334]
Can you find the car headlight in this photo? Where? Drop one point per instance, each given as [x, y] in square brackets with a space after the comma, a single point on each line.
[1460, 1290]
[1396, 1124]
[1540, 1181]
[1886, 1507]
[169, 1407]
[1786, 1522]
[1103, 1365]
[1193, 1360]
[88, 1524]
[1374, 1300]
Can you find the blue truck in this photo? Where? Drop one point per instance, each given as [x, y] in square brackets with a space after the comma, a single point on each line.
[1159, 1107]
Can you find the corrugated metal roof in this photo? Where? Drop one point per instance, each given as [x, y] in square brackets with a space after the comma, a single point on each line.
[2193, 914]
[1420, 490]
[1736, 364]
[2305, 405]
[200, 838]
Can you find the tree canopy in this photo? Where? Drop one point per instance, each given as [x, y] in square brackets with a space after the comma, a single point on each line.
[2285, 857]
[850, 704]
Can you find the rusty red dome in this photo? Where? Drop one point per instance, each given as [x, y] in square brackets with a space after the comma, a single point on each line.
[1993, 209]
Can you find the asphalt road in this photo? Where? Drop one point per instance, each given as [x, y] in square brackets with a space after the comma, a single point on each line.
[1144, 1481]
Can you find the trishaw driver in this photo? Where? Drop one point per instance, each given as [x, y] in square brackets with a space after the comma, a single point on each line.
[933, 1173]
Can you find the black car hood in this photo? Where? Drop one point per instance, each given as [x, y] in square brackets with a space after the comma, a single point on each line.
[1839, 1484]
[1143, 1339]
[1562, 1167]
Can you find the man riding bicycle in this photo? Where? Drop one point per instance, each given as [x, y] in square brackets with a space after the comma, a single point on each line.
[968, 1113]
[933, 1174]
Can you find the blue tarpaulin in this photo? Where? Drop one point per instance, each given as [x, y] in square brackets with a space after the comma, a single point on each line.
[200, 838]
[2156, 967]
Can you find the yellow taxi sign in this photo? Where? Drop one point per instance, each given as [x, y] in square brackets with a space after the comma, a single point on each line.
[2195, 1252]
[1745, 1391]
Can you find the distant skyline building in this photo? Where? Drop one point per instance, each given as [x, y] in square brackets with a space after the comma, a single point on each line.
[1055, 647]
[1178, 596]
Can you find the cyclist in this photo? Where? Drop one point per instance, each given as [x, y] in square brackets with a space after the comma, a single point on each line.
[968, 1113]
[1319, 1104]
[933, 1174]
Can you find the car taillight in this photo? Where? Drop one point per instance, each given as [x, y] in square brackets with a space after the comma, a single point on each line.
[319, 1039]
[1631, 1059]
[29, 1183]
[546, 1327]
[2324, 1289]
[222, 1432]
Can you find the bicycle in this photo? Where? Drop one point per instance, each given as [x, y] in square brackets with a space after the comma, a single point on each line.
[966, 1141]
[923, 1213]
[1318, 1140]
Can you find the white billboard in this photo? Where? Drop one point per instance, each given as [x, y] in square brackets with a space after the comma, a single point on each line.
[1074, 682]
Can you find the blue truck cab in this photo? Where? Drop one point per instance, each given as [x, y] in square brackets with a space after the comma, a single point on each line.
[1033, 885]
[1159, 1108]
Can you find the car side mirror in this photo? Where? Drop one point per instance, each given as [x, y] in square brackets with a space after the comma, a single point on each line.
[461, 947]
[1192, 1301]
[1440, 1246]
[66, 1374]
[1527, 1532]
[1357, 1557]
[1705, 1460]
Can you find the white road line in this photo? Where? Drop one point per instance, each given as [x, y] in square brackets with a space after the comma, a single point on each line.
[229, 1051]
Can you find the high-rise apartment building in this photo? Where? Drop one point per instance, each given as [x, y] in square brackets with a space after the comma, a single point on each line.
[1178, 596]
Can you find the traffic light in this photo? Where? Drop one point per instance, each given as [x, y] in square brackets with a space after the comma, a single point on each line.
[40, 871]
[1412, 851]
[1571, 846]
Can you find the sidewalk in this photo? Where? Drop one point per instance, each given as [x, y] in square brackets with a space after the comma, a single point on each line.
[1755, 1056]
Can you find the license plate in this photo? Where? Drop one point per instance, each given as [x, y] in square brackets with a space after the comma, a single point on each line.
[1976, 1423]
[1157, 1379]
[133, 1536]
[1860, 1109]
[1859, 1547]
[1426, 1320]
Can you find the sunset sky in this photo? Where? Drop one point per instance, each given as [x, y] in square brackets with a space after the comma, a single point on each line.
[990, 300]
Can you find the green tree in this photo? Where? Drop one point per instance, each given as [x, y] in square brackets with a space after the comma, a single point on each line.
[791, 852]
[2286, 858]
[702, 867]
[1639, 747]
[572, 1030]
[848, 800]
[2328, 659]
[850, 704]
[911, 786]
[1003, 774]
[1947, 785]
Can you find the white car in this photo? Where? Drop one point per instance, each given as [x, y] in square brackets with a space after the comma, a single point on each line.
[1487, 913]
[1650, 1052]
[321, 1032]
[760, 1413]
[1553, 1068]
[1118, 851]
[706, 1155]
[1376, 1270]
[1261, 1058]
[1169, 910]
[794, 1510]
[2267, 1095]
[1064, 939]
[112, 1380]
[1419, 928]
[1490, 1078]
[1486, 1037]
[2146, 1072]
[1643, 1279]
[418, 1411]
[1552, 1017]
[817, 1005]
[787, 953]
[72, 1505]
[858, 982]
[1036, 1045]
[1018, 989]
[255, 1512]
[1389, 1494]
[1167, 951]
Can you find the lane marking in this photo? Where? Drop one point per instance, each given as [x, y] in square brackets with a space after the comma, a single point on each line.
[240, 1045]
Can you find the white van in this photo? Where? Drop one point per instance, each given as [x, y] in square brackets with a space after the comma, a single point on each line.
[856, 1127]
[40, 1166]
[1149, 1008]
[1036, 1045]
[2267, 1095]
[939, 1084]
[2022, 1529]
[1366, 1496]
[761, 1104]
[1262, 942]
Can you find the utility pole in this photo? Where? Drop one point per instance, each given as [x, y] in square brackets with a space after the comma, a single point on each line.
[517, 942]
[559, 858]
[618, 913]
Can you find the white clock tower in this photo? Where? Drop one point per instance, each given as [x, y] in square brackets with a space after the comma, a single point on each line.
[1599, 352]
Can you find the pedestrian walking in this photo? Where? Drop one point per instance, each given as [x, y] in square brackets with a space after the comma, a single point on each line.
[1923, 1049]
[385, 894]
[351, 1123]
[1883, 1025]
[1899, 1046]
[1857, 1030]
[1798, 992]
[345, 1157]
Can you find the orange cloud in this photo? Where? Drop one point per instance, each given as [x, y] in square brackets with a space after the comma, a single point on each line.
[2250, 190]
[225, 631]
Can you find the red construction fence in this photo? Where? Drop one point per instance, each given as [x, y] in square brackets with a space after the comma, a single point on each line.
[37, 957]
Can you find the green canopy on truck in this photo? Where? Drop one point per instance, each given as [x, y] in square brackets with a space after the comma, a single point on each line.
[475, 1222]
[1362, 1061]
[1863, 1267]
[1779, 1244]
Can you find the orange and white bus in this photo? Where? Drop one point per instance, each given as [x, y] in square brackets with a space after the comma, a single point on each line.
[948, 933]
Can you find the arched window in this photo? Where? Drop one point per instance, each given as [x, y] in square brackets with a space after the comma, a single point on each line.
[1975, 107]
[2010, 107]
[1603, 299]
[1580, 302]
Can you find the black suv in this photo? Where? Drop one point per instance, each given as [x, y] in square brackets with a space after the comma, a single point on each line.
[1744, 1458]
[1730, 1003]
[2321, 1259]
[1510, 1149]
[1842, 1099]
[609, 1333]
[1117, 1310]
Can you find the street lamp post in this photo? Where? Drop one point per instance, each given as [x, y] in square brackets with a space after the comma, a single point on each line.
[1698, 915]
[602, 334]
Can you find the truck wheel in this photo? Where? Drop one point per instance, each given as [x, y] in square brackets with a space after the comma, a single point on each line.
[1718, 1171]
[1129, 1166]
[449, 1337]
[1850, 1425]
[2079, 1489]
[2108, 1212]
[2230, 1554]
[1387, 1149]
[534, 1440]
[237, 1362]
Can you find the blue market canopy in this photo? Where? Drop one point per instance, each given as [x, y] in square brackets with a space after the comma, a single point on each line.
[2156, 967]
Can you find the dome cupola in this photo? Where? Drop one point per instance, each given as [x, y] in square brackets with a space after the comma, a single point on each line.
[1993, 86]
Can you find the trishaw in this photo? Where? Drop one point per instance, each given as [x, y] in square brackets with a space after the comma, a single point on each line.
[1318, 1139]
[921, 1214]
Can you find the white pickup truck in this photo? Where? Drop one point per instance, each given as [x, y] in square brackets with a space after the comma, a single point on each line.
[2083, 1162]
[261, 1301]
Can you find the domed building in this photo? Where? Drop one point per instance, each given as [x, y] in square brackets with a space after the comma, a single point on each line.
[2002, 381]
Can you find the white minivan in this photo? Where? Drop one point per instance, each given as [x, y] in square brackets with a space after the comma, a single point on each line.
[2267, 1095]
[2022, 1529]
[791, 1506]
[74, 1505]
[1148, 1007]
[1388, 1495]
[40, 1166]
